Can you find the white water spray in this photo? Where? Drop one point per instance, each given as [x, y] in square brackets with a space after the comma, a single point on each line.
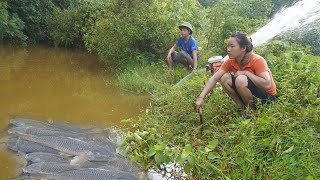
[300, 15]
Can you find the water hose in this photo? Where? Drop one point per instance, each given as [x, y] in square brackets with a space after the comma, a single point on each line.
[188, 76]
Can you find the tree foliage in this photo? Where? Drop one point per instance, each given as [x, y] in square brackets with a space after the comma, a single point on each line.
[122, 29]
[35, 14]
[229, 16]
[11, 25]
[279, 4]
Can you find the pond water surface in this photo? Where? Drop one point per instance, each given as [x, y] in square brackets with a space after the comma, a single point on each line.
[58, 85]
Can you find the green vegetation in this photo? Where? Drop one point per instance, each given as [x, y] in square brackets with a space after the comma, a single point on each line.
[280, 141]
[10, 25]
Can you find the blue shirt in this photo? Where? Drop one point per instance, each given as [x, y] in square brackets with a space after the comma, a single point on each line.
[188, 46]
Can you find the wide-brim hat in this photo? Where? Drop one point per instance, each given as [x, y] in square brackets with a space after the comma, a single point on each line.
[187, 25]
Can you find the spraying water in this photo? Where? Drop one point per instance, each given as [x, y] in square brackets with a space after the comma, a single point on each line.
[300, 15]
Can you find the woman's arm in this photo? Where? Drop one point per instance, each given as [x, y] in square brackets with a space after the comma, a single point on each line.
[262, 81]
[209, 86]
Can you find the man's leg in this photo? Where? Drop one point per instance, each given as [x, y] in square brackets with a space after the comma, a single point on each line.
[241, 83]
[174, 57]
[228, 85]
[185, 59]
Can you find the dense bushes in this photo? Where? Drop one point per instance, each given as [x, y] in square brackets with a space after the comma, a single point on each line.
[42, 21]
[122, 29]
[118, 30]
[35, 15]
[11, 25]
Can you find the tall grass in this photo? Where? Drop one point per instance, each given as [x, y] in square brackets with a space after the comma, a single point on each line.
[279, 141]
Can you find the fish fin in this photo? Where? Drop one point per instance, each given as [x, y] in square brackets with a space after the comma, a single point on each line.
[64, 154]
[78, 160]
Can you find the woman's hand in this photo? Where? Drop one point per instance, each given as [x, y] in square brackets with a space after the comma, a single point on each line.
[199, 103]
[239, 73]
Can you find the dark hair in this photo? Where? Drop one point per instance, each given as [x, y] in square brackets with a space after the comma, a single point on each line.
[243, 40]
[190, 31]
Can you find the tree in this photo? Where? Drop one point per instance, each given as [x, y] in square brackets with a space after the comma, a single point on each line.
[11, 25]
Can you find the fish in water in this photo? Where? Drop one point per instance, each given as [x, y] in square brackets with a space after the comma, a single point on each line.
[73, 146]
[93, 174]
[121, 164]
[25, 146]
[31, 130]
[47, 157]
[48, 168]
[41, 124]
[30, 177]
[37, 157]
[24, 130]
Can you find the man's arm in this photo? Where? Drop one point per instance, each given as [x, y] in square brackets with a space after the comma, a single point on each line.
[195, 59]
[169, 57]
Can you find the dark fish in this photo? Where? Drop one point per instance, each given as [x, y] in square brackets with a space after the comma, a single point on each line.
[40, 124]
[31, 130]
[121, 164]
[37, 157]
[47, 157]
[30, 177]
[48, 168]
[25, 146]
[93, 174]
[73, 146]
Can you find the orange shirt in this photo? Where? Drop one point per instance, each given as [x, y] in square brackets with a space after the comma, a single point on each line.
[256, 65]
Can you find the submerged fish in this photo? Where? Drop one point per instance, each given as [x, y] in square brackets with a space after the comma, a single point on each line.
[121, 164]
[37, 157]
[41, 124]
[48, 168]
[102, 141]
[30, 130]
[27, 122]
[25, 146]
[47, 157]
[30, 177]
[73, 146]
[93, 174]
[45, 131]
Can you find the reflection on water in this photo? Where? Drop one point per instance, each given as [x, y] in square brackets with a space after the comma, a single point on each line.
[58, 85]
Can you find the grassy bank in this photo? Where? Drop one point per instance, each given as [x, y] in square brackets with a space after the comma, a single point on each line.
[279, 141]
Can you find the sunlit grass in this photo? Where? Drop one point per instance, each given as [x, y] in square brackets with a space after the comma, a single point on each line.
[279, 141]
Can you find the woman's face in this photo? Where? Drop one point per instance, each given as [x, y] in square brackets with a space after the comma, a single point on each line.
[234, 50]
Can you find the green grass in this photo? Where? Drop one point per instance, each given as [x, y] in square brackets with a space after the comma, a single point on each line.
[279, 141]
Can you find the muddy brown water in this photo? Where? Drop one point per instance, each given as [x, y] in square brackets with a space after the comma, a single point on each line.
[58, 85]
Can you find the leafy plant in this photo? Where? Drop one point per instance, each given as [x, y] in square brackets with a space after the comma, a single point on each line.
[11, 25]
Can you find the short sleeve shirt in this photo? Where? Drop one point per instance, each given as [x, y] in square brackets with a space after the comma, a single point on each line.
[188, 46]
[256, 65]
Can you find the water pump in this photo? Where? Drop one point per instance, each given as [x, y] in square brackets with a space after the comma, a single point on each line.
[215, 63]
